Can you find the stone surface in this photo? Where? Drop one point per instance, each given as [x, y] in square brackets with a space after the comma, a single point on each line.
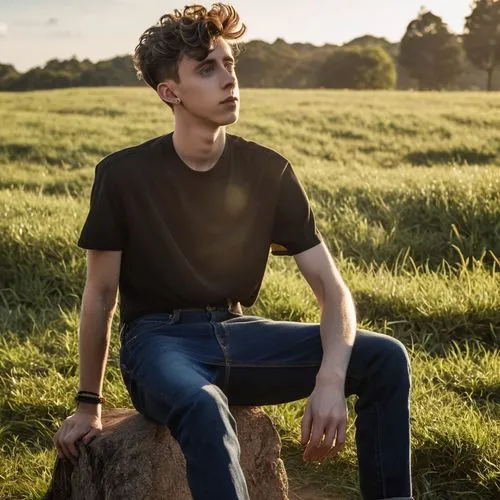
[135, 458]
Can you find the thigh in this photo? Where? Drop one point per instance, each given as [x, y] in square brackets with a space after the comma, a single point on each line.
[261, 342]
[160, 371]
[273, 362]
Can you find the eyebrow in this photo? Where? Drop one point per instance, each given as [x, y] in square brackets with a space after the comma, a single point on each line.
[211, 60]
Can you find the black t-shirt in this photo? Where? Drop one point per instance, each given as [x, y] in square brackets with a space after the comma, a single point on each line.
[189, 238]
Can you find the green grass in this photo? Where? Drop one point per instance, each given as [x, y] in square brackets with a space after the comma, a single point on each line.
[406, 189]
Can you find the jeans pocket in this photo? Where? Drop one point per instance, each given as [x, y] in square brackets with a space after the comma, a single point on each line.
[155, 320]
[144, 326]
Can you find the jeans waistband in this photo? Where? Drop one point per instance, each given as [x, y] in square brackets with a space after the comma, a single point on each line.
[180, 313]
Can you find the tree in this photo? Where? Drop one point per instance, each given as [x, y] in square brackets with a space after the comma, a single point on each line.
[38, 78]
[430, 53]
[8, 75]
[482, 37]
[261, 64]
[358, 68]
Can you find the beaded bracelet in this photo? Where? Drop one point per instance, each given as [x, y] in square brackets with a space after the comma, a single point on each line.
[89, 397]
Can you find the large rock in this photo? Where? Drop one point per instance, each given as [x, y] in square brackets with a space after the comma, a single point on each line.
[134, 458]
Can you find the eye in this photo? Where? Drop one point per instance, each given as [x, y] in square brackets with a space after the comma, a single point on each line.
[206, 70]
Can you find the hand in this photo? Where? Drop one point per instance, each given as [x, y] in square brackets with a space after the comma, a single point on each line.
[325, 417]
[84, 425]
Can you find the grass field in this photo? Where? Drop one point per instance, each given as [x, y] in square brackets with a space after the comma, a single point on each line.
[406, 189]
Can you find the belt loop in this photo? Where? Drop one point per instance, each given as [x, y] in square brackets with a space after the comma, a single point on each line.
[176, 314]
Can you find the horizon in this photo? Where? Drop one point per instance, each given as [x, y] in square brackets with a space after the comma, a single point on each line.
[31, 35]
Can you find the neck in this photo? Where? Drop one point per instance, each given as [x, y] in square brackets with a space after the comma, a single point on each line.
[198, 147]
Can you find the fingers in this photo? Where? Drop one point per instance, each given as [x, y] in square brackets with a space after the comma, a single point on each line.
[89, 436]
[327, 443]
[76, 428]
[322, 440]
[65, 441]
[58, 443]
[317, 434]
[314, 449]
[71, 446]
[306, 425]
[340, 441]
[62, 449]
[68, 449]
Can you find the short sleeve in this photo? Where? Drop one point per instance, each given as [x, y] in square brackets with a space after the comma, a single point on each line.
[294, 228]
[104, 228]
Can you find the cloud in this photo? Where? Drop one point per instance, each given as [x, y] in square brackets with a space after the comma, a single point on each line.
[52, 21]
[3, 30]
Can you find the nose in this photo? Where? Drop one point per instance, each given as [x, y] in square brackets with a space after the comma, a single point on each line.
[230, 79]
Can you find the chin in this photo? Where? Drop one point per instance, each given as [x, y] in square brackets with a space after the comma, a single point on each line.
[234, 119]
[227, 120]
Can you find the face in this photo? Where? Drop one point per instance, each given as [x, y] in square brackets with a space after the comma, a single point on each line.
[205, 84]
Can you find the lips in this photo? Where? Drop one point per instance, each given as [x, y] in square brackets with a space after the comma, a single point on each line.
[229, 99]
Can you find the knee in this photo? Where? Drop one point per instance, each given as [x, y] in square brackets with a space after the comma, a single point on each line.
[208, 398]
[208, 406]
[204, 418]
[396, 361]
[398, 351]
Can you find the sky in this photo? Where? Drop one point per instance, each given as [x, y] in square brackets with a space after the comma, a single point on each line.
[35, 31]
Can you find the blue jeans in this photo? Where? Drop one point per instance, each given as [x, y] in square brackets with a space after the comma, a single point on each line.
[183, 369]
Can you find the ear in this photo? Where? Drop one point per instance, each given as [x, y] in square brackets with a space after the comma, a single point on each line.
[166, 91]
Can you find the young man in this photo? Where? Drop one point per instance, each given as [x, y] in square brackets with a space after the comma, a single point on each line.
[183, 225]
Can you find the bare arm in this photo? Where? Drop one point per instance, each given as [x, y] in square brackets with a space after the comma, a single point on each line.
[325, 418]
[98, 307]
[338, 315]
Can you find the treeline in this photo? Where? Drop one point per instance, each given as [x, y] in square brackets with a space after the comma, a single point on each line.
[428, 57]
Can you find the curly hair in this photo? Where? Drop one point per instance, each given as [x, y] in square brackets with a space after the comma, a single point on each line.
[192, 32]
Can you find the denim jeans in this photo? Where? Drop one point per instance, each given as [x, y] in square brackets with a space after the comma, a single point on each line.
[183, 369]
